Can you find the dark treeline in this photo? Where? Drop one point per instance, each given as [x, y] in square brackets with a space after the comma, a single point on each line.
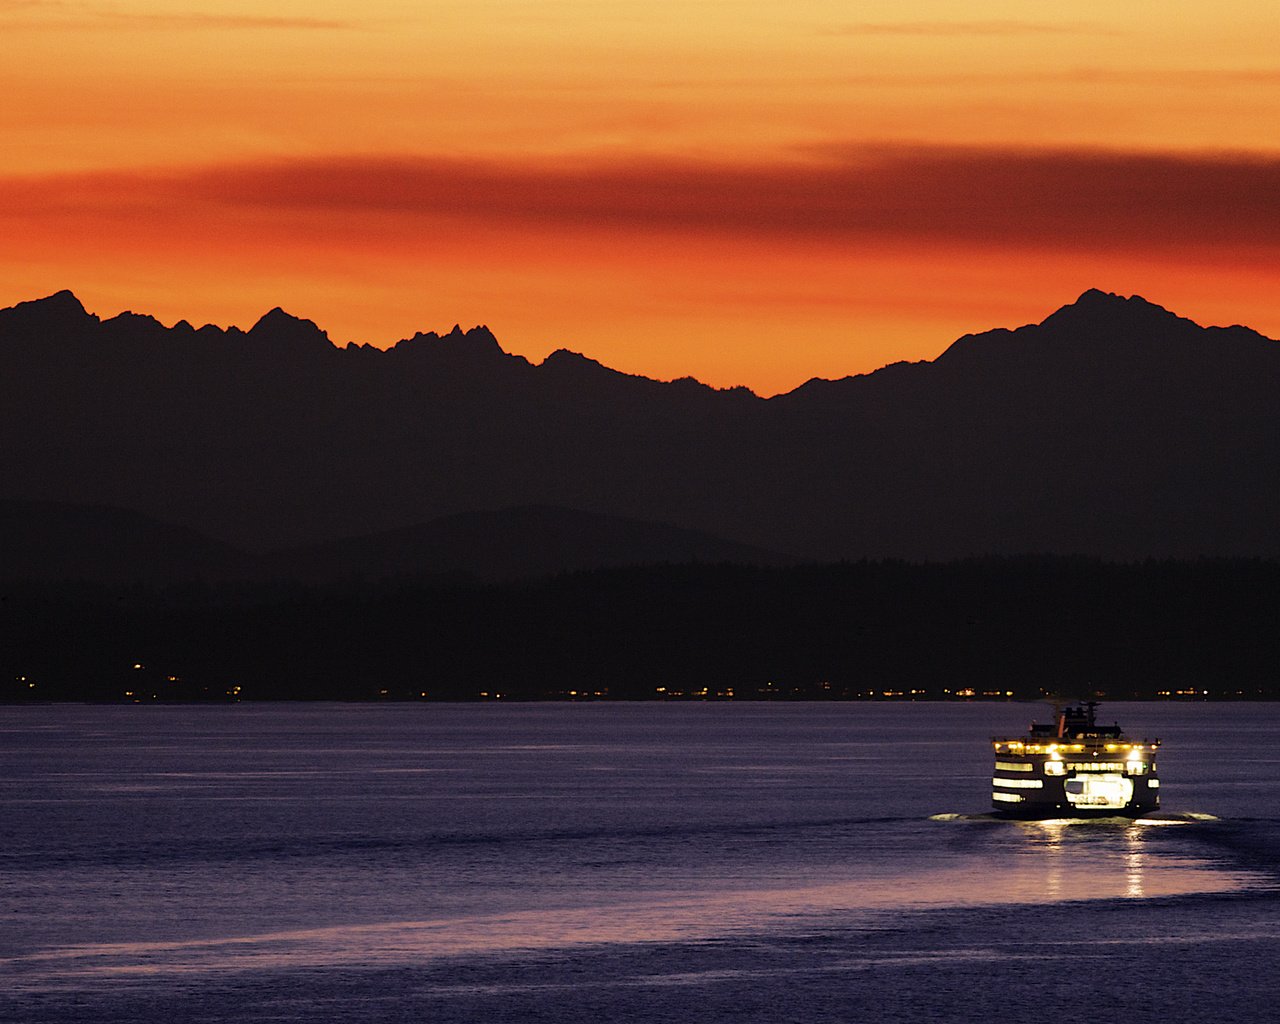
[871, 630]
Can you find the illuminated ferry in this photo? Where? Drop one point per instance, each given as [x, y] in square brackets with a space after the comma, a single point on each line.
[1075, 768]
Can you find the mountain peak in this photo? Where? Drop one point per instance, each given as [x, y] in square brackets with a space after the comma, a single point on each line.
[59, 314]
[277, 325]
[276, 318]
[131, 320]
[478, 339]
[64, 301]
[60, 310]
[1097, 297]
[567, 358]
[1098, 327]
[1096, 307]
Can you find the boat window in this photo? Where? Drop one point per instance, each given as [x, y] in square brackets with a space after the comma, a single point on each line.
[1019, 783]
[1103, 791]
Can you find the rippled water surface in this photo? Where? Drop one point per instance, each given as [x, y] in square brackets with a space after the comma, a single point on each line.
[616, 861]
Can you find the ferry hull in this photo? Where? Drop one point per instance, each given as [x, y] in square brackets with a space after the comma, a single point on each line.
[1041, 812]
[1066, 813]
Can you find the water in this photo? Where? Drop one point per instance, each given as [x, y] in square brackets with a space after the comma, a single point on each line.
[664, 862]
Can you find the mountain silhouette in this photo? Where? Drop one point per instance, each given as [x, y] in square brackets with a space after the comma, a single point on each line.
[54, 542]
[509, 544]
[1113, 428]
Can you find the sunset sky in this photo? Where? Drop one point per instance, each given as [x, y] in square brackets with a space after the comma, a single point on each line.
[751, 192]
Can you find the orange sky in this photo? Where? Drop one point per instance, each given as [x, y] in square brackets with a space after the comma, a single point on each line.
[741, 190]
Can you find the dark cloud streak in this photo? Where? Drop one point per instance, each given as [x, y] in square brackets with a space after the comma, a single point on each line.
[1084, 200]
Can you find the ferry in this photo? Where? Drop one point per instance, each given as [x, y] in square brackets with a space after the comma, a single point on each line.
[1075, 768]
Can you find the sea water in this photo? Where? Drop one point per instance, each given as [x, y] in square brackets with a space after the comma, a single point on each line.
[608, 861]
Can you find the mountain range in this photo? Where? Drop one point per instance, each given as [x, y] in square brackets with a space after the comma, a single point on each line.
[1113, 428]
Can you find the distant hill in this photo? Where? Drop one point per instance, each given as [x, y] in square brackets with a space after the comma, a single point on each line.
[508, 544]
[54, 542]
[1113, 428]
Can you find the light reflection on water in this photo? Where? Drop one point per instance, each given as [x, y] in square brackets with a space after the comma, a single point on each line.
[197, 841]
[1040, 866]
